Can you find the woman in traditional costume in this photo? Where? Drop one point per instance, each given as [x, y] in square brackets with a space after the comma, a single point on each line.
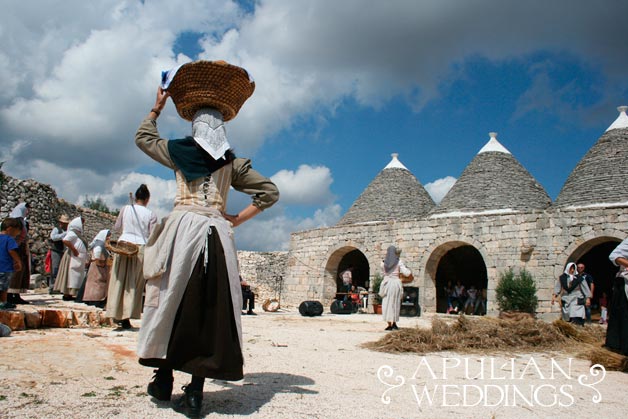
[574, 294]
[98, 273]
[391, 289]
[191, 319]
[20, 280]
[73, 262]
[126, 286]
[617, 331]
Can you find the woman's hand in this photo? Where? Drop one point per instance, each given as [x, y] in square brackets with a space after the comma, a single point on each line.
[244, 215]
[233, 219]
[160, 102]
[162, 97]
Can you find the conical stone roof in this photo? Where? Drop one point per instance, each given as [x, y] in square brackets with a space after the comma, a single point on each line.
[601, 177]
[394, 194]
[493, 181]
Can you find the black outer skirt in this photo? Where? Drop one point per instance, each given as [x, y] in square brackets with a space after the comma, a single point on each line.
[204, 340]
[617, 331]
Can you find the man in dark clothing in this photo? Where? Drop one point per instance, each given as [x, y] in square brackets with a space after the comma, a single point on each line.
[248, 297]
[587, 277]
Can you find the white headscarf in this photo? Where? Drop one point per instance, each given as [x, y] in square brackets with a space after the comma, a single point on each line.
[100, 239]
[20, 211]
[208, 130]
[76, 225]
[568, 268]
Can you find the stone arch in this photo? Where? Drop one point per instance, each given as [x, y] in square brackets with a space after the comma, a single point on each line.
[580, 247]
[440, 258]
[337, 261]
[593, 253]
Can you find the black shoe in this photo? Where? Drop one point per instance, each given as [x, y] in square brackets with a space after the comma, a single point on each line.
[190, 403]
[395, 327]
[389, 328]
[7, 306]
[125, 324]
[251, 313]
[67, 297]
[161, 386]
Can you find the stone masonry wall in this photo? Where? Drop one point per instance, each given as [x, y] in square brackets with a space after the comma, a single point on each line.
[264, 271]
[46, 208]
[539, 241]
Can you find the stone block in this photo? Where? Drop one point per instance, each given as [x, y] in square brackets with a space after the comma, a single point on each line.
[32, 320]
[13, 318]
[55, 318]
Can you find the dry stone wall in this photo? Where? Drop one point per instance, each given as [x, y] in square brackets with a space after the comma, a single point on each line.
[264, 271]
[46, 208]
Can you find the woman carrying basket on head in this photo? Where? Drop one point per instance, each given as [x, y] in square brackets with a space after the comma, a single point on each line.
[191, 319]
[126, 285]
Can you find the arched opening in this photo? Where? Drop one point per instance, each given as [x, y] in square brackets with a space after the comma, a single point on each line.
[345, 258]
[359, 266]
[594, 255]
[464, 265]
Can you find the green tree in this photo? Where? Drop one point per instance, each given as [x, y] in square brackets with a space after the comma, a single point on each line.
[98, 204]
[516, 292]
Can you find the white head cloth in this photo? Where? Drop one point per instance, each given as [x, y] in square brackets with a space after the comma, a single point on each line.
[20, 210]
[568, 268]
[100, 237]
[208, 130]
[76, 225]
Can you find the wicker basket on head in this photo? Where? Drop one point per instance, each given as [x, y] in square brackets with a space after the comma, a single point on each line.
[122, 248]
[210, 84]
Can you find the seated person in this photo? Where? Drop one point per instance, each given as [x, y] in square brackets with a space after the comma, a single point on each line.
[480, 304]
[248, 297]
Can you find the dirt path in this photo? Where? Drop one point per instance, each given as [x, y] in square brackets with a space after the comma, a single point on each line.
[300, 367]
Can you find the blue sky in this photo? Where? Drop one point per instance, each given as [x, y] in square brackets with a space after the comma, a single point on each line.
[339, 87]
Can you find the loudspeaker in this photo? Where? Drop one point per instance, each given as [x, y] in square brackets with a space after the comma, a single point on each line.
[343, 307]
[311, 308]
[410, 302]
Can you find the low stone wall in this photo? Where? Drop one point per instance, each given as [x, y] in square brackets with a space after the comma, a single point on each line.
[54, 317]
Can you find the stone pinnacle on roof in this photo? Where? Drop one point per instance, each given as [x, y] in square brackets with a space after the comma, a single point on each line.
[394, 194]
[494, 180]
[493, 145]
[622, 119]
[600, 176]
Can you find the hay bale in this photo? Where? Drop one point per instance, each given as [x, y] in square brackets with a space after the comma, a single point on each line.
[610, 360]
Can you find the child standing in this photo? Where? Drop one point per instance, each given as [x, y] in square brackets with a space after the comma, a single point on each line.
[9, 258]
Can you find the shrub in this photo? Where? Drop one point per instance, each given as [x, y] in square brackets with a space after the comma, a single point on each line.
[516, 292]
[377, 281]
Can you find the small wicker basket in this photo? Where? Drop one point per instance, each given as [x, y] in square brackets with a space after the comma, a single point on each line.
[210, 84]
[122, 248]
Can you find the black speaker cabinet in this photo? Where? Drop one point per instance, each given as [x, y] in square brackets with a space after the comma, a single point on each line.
[410, 302]
[343, 307]
[311, 308]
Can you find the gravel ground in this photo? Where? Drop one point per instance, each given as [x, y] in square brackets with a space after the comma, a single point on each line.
[297, 367]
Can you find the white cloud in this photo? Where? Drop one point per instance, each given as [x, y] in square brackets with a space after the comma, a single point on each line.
[162, 192]
[439, 188]
[307, 186]
[265, 234]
